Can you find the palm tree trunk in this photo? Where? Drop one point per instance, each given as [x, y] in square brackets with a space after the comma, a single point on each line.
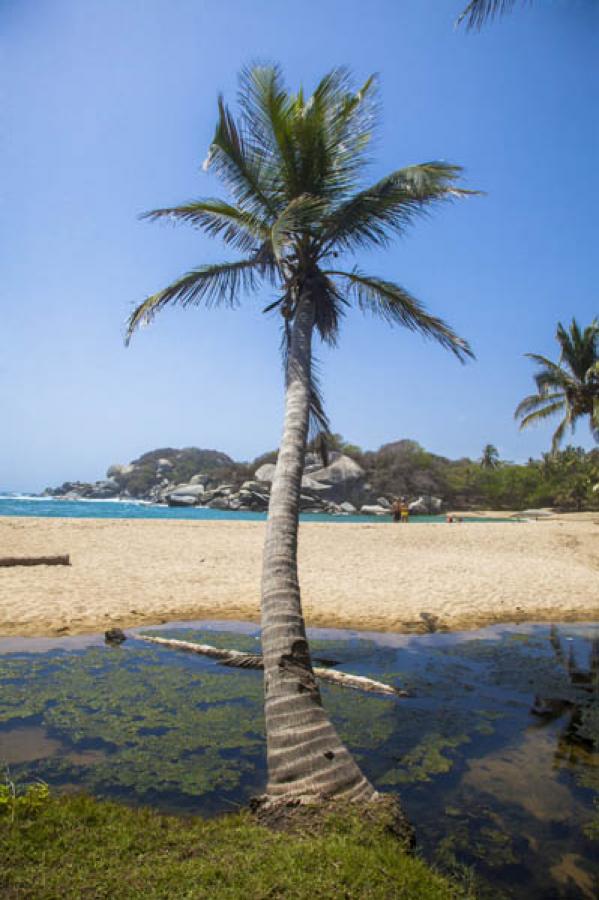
[306, 757]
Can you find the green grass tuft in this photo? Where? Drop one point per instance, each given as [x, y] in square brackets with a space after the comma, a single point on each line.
[78, 847]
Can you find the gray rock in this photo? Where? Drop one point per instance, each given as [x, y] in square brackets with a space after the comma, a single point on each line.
[259, 486]
[265, 472]
[426, 506]
[200, 478]
[347, 507]
[188, 490]
[374, 510]
[103, 490]
[382, 501]
[342, 469]
[181, 500]
[219, 503]
[310, 485]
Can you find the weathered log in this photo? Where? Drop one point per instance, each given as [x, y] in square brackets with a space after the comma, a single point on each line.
[35, 561]
[237, 659]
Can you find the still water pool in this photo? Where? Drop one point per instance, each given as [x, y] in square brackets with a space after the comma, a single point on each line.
[495, 752]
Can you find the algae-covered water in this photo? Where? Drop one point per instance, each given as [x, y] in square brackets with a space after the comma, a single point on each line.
[495, 752]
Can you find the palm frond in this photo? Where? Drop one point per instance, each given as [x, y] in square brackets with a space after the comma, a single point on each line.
[544, 412]
[479, 11]
[397, 306]
[215, 284]
[536, 401]
[237, 227]
[300, 217]
[371, 216]
[242, 169]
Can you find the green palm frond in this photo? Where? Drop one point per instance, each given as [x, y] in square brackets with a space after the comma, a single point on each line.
[242, 169]
[544, 412]
[299, 218]
[579, 349]
[479, 11]
[237, 227]
[371, 216]
[397, 306]
[219, 283]
[536, 401]
[315, 146]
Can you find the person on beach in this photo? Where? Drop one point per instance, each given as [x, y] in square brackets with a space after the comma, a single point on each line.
[396, 509]
[404, 510]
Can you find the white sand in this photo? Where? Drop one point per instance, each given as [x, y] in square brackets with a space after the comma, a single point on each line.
[368, 576]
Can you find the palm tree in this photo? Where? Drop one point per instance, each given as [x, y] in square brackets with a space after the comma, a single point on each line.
[292, 165]
[570, 387]
[490, 457]
[479, 11]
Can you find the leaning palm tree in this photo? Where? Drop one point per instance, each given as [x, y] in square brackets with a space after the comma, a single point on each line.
[569, 388]
[292, 165]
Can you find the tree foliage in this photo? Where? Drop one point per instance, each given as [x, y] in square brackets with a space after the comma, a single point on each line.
[570, 387]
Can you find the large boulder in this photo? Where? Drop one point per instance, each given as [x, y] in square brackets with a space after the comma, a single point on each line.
[181, 500]
[344, 480]
[265, 472]
[312, 486]
[185, 495]
[343, 468]
[347, 508]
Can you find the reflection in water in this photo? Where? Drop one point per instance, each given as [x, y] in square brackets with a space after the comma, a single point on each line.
[489, 782]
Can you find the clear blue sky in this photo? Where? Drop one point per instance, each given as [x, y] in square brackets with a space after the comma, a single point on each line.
[108, 107]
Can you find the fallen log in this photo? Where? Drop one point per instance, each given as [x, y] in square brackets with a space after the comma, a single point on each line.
[35, 560]
[237, 659]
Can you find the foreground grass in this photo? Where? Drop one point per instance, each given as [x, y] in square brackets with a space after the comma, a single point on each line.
[78, 847]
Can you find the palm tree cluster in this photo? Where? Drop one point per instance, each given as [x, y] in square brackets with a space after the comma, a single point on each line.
[570, 387]
[293, 165]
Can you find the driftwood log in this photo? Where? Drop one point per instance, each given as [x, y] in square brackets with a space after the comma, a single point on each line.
[35, 561]
[241, 660]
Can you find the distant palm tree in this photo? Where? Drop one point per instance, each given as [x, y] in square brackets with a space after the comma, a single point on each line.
[490, 457]
[292, 164]
[479, 11]
[570, 387]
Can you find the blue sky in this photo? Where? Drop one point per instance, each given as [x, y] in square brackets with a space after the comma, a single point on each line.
[108, 110]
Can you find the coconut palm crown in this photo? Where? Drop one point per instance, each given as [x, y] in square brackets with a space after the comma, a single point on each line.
[569, 388]
[293, 165]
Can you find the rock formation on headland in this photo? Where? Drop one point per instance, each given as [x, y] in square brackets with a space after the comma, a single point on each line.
[353, 480]
[208, 478]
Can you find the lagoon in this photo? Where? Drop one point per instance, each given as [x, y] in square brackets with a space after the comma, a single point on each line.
[495, 752]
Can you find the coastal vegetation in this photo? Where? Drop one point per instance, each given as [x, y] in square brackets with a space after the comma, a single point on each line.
[293, 166]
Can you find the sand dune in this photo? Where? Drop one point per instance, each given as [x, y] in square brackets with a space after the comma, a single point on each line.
[369, 576]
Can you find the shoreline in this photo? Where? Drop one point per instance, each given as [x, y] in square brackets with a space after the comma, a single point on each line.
[369, 577]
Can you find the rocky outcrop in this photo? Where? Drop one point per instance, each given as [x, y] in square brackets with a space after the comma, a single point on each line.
[207, 478]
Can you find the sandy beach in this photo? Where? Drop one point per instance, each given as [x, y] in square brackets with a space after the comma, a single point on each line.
[367, 576]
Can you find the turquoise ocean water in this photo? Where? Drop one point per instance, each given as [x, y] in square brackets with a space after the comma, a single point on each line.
[46, 507]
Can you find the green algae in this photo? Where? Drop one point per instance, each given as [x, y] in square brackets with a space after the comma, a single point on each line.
[163, 728]
[428, 758]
